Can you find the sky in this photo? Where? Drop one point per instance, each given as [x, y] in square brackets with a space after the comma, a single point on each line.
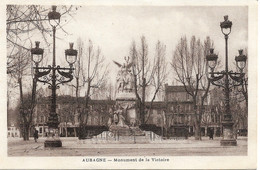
[113, 28]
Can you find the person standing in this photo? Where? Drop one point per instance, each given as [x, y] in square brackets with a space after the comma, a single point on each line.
[35, 135]
[211, 133]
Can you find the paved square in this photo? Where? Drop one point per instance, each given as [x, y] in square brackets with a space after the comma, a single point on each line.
[97, 147]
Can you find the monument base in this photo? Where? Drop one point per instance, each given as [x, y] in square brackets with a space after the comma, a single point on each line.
[53, 143]
[126, 96]
[136, 131]
[126, 131]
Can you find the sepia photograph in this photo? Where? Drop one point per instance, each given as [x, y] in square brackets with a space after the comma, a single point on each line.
[130, 84]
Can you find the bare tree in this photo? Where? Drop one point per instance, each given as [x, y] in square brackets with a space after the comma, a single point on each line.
[148, 75]
[142, 72]
[189, 64]
[78, 73]
[24, 21]
[20, 70]
[27, 105]
[94, 72]
[159, 74]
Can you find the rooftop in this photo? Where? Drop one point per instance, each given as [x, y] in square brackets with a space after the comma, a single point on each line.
[176, 88]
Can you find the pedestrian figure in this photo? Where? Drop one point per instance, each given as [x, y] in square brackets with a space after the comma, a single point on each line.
[35, 135]
[211, 134]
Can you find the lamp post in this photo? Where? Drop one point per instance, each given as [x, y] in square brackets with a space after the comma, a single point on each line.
[231, 79]
[48, 75]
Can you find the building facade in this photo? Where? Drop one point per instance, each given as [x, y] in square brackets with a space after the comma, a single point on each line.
[180, 111]
[13, 131]
[68, 110]
[174, 115]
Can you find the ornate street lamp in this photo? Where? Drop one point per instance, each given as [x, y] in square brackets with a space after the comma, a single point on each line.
[48, 75]
[54, 17]
[240, 60]
[37, 53]
[215, 77]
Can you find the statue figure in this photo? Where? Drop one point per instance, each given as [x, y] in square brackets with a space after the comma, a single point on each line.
[110, 118]
[124, 76]
[115, 118]
[119, 119]
[120, 81]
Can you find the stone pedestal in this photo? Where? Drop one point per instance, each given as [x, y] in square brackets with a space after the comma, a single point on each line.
[228, 139]
[121, 131]
[52, 143]
[53, 139]
[126, 131]
[125, 96]
[127, 101]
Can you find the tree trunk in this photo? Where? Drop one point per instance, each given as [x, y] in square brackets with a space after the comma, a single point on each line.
[77, 90]
[196, 121]
[75, 132]
[66, 129]
[142, 112]
[26, 132]
[197, 131]
[84, 116]
[22, 114]
[143, 106]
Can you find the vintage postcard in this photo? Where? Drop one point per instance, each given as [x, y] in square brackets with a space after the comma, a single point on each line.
[129, 85]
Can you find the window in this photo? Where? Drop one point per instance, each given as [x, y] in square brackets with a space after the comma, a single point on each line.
[189, 118]
[172, 97]
[178, 109]
[186, 108]
[188, 97]
[42, 119]
[177, 97]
